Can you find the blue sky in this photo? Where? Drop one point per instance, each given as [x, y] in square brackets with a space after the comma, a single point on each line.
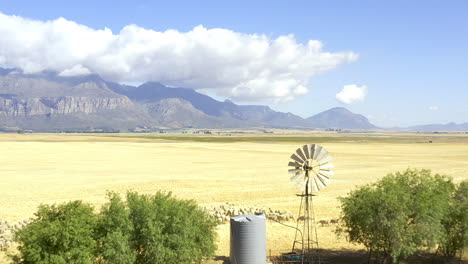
[412, 55]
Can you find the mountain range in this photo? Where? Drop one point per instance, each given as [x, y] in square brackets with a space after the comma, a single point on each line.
[49, 102]
[441, 127]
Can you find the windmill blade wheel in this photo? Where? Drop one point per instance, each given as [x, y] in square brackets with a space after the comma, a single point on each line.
[310, 167]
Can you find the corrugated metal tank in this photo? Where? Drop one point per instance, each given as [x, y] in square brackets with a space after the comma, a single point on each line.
[248, 239]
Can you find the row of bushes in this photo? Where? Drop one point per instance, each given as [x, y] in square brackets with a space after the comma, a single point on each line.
[140, 229]
[407, 212]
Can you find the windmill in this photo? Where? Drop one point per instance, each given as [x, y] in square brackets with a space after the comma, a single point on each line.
[311, 168]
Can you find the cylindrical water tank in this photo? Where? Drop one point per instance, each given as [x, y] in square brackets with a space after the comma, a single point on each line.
[248, 239]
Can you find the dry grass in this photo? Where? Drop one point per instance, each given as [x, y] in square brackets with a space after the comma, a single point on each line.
[37, 169]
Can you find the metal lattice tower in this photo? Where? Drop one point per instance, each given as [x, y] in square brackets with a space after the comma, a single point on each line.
[311, 172]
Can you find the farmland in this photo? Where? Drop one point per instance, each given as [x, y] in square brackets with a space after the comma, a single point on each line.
[247, 170]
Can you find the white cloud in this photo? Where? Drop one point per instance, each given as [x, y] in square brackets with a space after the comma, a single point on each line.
[433, 108]
[77, 70]
[229, 63]
[352, 93]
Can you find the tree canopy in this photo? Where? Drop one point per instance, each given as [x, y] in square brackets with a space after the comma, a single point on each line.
[455, 237]
[143, 229]
[59, 234]
[400, 214]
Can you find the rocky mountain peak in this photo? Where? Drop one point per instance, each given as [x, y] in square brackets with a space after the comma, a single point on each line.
[340, 117]
[78, 101]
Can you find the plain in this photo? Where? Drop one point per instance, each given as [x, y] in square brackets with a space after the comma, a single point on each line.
[246, 170]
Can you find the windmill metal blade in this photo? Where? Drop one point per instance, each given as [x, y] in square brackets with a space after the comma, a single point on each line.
[299, 152]
[295, 177]
[327, 166]
[310, 168]
[324, 171]
[294, 171]
[321, 182]
[300, 180]
[297, 159]
[316, 187]
[322, 155]
[326, 160]
[312, 150]
[300, 183]
[305, 148]
[294, 164]
[327, 172]
[323, 178]
[318, 148]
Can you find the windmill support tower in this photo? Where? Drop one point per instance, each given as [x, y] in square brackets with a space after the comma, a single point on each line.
[306, 241]
[311, 173]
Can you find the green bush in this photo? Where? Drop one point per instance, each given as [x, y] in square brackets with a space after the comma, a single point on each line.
[400, 214]
[61, 234]
[455, 238]
[163, 229]
[113, 233]
[142, 229]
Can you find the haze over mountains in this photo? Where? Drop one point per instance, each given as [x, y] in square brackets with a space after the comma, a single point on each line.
[49, 102]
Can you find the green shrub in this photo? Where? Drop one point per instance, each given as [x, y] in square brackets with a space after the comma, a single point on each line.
[61, 234]
[398, 215]
[113, 233]
[143, 229]
[167, 230]
[455, 238]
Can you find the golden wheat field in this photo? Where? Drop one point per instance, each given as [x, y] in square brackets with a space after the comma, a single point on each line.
[37, 169]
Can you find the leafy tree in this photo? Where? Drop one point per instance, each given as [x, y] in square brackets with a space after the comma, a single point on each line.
[143, 229]
[167, 230]
[59, 234]
[398, 215]
[455, 237]
[113, 233]
[116, 249]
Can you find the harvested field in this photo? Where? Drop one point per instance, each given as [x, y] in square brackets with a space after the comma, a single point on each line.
[244, 170]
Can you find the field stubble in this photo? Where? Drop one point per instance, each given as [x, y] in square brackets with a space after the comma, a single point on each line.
[37, 169]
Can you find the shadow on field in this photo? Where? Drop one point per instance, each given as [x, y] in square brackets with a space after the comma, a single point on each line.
[221, 260]
[361, 257]
[343, 256]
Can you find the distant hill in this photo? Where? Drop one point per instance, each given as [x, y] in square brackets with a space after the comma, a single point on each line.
[340, 117]
[49, 102]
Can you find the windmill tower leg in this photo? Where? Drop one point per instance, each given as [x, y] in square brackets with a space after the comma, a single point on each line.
[299, 237]
[313, 246]
[307, 221]
[306, 227]
[307, 244]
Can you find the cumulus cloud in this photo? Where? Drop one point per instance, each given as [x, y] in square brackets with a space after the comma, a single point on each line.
[352, 93]
[433, 108]
[232, 64]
